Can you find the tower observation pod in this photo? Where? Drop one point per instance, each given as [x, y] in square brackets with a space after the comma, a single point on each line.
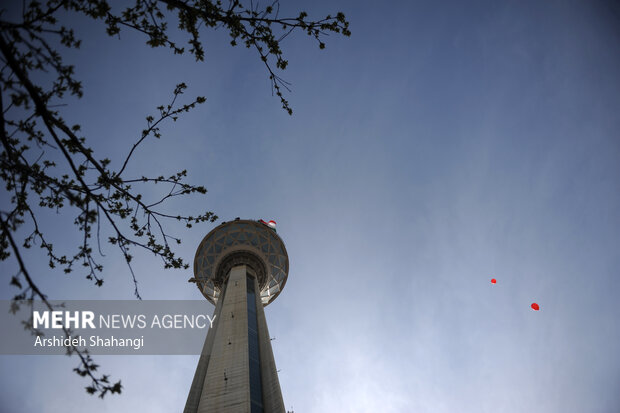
[241, 266]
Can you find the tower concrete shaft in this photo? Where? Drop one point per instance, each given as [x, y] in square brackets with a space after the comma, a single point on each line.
[236, 371]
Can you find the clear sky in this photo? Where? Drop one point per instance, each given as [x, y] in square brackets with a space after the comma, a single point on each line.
[440, 146]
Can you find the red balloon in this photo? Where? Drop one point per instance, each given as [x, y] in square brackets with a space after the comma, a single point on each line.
[493, 280]
[535, 306]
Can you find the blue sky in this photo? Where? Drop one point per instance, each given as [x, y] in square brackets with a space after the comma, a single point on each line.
[443, 144]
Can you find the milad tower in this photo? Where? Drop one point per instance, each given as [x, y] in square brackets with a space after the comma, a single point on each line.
[241, 266]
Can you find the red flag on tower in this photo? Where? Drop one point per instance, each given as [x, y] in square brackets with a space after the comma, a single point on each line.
[271, 224]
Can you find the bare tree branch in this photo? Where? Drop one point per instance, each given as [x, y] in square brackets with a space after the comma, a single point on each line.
[46, 165]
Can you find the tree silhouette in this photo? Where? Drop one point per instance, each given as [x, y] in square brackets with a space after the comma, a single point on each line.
[47, 164]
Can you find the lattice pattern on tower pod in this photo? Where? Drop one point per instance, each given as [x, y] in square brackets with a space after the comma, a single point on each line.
[237, 237]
